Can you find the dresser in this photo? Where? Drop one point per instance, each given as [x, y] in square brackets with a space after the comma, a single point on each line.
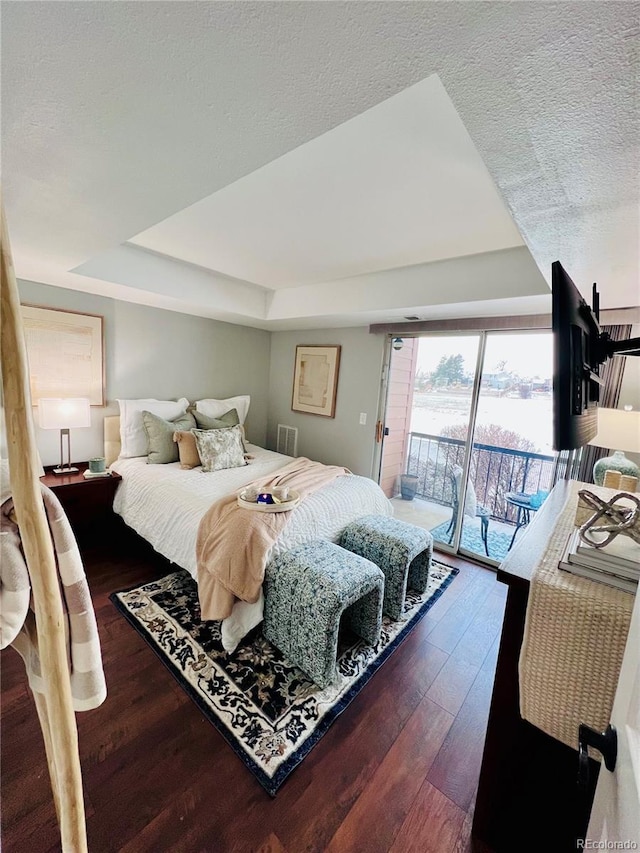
[528, 798]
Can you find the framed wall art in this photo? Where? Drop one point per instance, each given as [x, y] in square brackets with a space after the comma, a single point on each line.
[66, 353]
[315, 380]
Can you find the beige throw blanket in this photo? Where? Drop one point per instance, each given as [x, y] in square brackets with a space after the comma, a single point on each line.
[233, 543]
[17, 621]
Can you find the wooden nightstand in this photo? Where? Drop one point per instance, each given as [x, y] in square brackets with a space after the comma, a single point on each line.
[87, 503]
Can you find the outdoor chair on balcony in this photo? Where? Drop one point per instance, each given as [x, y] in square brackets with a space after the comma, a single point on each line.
[471, 507]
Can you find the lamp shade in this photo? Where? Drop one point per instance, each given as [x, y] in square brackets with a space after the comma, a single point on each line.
[64, 412]
[618, 430]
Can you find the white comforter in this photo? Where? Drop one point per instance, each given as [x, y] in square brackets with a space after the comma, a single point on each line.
[164, 504]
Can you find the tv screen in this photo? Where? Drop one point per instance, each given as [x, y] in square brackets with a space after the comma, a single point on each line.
[576, 362]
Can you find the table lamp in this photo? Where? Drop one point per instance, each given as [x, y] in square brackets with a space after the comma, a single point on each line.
[618, 430]
[64, 413]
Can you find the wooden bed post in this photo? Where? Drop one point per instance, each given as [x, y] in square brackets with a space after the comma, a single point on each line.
[55, 708]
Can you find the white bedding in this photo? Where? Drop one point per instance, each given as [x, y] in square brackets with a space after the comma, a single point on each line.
[165, 503]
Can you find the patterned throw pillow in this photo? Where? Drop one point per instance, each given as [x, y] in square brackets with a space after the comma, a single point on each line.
[220, 448]
[229, 418]
[187, 449]
[162, 448]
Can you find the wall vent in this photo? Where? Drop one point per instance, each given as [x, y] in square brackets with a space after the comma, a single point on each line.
[287, 442]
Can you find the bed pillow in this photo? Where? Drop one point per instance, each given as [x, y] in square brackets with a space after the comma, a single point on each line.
[229, 419]
[216, 408]
[162, 448]
[220, 448]
[187, 450]
[226, 420]
[133, 438]
[186, 441]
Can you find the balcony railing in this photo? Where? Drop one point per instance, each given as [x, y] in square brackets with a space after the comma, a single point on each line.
[494, 471]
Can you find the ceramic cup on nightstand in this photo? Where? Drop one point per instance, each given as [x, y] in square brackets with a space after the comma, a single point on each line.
[97, 465]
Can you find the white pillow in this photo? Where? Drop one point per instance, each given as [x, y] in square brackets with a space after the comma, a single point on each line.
[217, 408]
[133, 438]
[243, 618]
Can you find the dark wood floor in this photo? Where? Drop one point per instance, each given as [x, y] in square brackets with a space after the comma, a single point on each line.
[397, 771]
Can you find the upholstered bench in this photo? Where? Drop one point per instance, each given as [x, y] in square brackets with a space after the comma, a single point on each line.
[403, 552]
[307, 590]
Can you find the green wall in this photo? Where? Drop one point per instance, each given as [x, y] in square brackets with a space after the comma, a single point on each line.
[341, 440]
[150, 352]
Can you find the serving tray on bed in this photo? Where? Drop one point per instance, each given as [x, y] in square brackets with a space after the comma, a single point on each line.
[284, 506]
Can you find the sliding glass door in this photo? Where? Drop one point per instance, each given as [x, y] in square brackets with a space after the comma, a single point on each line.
[511, 461]
[441, 420]
[478, 460]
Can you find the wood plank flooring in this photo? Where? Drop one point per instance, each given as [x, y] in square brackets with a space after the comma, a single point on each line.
[396, 773]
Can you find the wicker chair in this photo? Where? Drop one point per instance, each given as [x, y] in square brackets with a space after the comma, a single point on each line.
[472, 507]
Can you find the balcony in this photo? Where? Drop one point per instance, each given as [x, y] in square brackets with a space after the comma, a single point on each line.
[494, 471]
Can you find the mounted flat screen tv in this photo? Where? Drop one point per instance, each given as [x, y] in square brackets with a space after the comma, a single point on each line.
[580, 350]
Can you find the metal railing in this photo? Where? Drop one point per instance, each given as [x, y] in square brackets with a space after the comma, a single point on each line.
[494, 471]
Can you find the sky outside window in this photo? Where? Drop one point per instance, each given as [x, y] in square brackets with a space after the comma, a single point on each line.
[520, 402]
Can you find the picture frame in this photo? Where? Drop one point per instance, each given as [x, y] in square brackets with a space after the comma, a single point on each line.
[315, 380]
[65, 350]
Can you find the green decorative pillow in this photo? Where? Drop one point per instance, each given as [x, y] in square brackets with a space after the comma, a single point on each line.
[229, 419]
[220, 448]
[162, 448]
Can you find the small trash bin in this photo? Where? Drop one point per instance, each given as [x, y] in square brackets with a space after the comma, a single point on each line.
[408, 486]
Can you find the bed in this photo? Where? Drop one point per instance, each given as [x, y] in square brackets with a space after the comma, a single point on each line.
[164, 504]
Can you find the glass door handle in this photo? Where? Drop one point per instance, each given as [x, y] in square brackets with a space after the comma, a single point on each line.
[381, 430]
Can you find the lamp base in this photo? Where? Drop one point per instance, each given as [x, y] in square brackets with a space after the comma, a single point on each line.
[70, 470]
[617, 462]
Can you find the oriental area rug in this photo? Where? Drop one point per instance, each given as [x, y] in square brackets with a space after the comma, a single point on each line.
[267, 709]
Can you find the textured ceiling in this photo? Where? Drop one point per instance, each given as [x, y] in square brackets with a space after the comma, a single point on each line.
[398, 185]
[116, 116]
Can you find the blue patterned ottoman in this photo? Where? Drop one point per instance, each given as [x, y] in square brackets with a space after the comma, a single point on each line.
[306, 591]
[403, 552]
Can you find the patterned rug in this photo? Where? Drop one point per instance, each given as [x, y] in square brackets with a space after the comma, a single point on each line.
[471, 540]
[270, 713]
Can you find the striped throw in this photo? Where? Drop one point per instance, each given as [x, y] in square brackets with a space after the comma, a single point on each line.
[17, 619]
